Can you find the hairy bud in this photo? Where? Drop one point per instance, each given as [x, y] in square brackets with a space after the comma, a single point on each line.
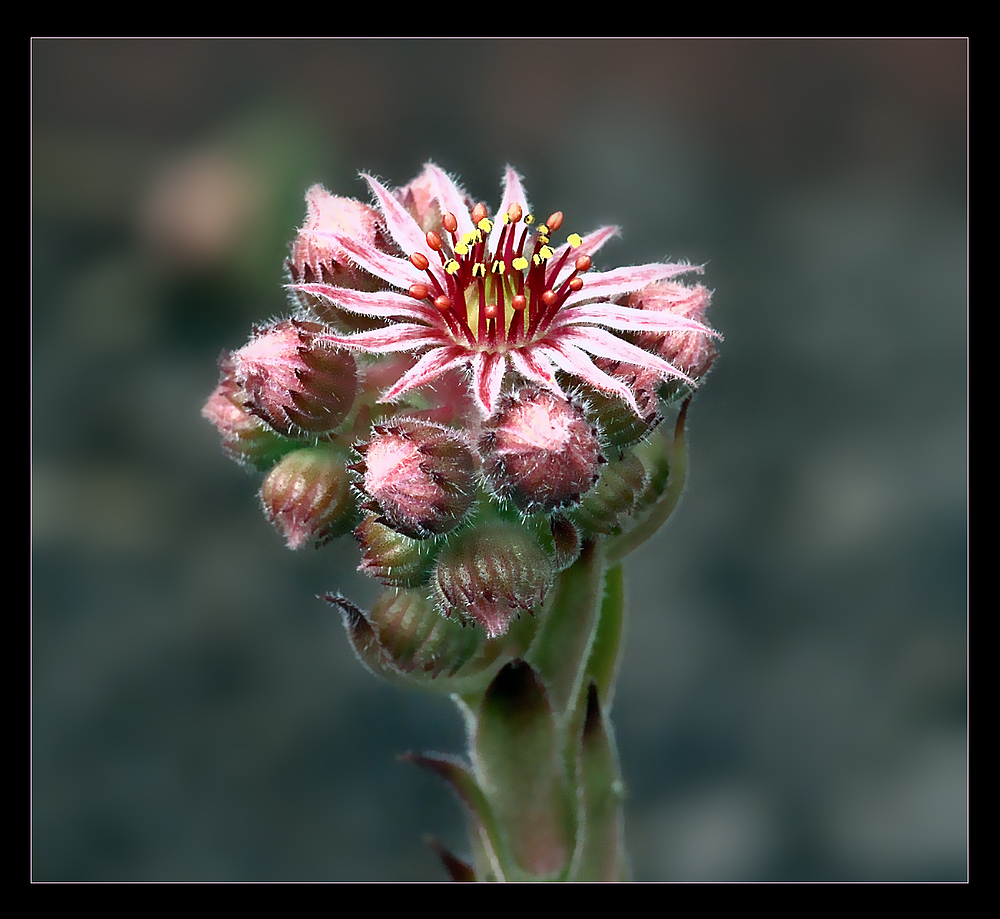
[491, 573]
[421, 476]
[539, 451]
[308, 498]
[295, 382]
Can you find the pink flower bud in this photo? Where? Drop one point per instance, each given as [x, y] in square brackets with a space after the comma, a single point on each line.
[293, 380]
[690, 352]
[420, 475]
[308, 498]
[245, 438]
[316, 255]
[539, 451]
[490, 573]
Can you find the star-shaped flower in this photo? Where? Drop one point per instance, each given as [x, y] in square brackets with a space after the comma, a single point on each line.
[492, 294]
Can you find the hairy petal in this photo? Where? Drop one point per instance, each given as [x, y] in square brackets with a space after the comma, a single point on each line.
[488, 370]
[574, 361]
[591, 243]
[403, 336]
[604, 344]
[385, 304]
[397, 271]
[618, 281]
[450, 198]
[432, 365]
[512, 193]
[628, 319]
[534, 366]
[404, 229]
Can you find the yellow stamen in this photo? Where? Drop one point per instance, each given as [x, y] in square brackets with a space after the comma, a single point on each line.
[520, 263]
[485, 225]
[452, 266]
[574, 239]
[479, 270]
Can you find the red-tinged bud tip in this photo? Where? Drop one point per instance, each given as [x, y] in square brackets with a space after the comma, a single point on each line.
[583, 263]
[419, 291]
[555, 221]
[539, 451]
[434, 241]
[450, 222]
[307, 496]
[549, 298]
[293, 380]
[520, 302]
[490, 573]
[478, 213]
[421, 475]
[576, 284]
[443, 303]
[419, 261]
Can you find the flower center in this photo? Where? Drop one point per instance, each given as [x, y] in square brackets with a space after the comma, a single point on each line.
[501, 291]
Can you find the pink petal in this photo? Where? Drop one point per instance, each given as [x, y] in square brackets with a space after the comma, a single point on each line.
[397, 271]
[535, 367]
[574, 361]
[591, 243]
[512, 193]
[450, 198]
[432, 365]
[404, 229]
[604, 344]
[401, 336]
[487, 372]
[385, 304]
[618, 281]
[628, 319]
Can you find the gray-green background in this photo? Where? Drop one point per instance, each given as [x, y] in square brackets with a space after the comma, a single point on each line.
[792, 703]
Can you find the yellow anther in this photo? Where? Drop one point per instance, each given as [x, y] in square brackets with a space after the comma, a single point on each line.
[530, 219]
[542, 238]
[461, 249]
[543, 230]
[479, 270]
[485, 225]
[546, 252]
[499, 267]
[574, 239]
[520, 263]
[506, 217]
[451, 266]
[467, 238]
[535, 260]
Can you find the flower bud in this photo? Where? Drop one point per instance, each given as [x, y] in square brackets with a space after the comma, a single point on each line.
[539, 451]
[308, 497]
[391, 557]
[421, 476]
[691, 352]
[619, 425]
[316, 254]
[606, 506]
[490, 573]
[295, 382]
[245, 438]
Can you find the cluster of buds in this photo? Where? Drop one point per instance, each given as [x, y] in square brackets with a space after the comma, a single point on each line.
[463, 393]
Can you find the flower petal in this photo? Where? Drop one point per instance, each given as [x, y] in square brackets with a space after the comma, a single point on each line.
[432, 365]
[618, 281]
[604, 344]
[403, 336]
[396, 271]
[487, 373]
[450, 197]
[628, 319]
[385, 304]
[534, 366]
[574, 361]
[591, 243]
[404, 229]
[512, 193]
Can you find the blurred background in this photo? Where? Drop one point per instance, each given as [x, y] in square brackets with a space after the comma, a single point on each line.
[792, 704]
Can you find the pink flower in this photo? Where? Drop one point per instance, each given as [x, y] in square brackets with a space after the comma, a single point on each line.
[495, 296]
